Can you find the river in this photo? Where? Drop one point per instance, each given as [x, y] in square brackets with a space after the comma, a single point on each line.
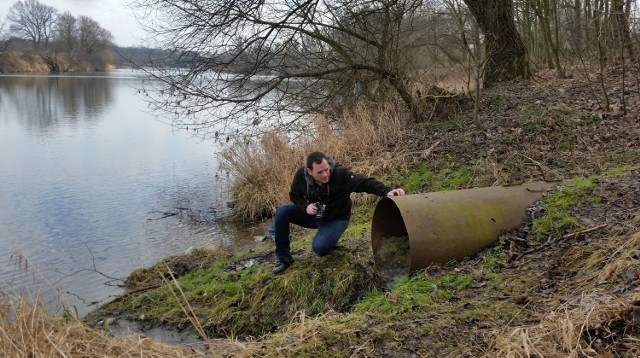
[87, 174]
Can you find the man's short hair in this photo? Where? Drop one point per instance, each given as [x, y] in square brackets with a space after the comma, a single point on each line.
[315, 157]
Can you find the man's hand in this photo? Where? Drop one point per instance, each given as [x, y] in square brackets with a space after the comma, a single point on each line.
[394, 192]
[312, 209]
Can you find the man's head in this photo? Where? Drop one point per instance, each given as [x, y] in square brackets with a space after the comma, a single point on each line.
[318, 167]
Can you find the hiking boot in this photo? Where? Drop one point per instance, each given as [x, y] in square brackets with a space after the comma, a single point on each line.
[282, 267]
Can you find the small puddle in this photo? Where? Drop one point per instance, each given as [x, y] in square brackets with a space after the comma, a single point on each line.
[124, 328]
[219, 347]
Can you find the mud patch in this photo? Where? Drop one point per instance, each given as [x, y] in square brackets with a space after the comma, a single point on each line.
[120, 327]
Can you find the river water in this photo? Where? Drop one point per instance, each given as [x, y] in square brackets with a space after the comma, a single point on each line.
[86, 175]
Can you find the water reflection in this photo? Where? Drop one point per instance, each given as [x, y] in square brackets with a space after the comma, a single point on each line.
[44, 102]
[84, 169]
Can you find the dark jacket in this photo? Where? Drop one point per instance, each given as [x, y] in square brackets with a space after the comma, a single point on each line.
[336, 194]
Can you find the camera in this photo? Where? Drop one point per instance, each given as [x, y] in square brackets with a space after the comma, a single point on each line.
[321, 209]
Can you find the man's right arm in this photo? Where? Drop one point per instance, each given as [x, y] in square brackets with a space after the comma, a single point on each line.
[297, 192]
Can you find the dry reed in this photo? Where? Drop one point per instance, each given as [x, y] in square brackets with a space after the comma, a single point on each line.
[26, 330]
[369, 141]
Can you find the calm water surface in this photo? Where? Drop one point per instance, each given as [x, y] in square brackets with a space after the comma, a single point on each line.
[85, 175]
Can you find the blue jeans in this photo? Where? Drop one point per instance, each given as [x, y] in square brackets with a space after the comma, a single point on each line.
[323, 243]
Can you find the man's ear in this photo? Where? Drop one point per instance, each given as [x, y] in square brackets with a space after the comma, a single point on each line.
[309, 171]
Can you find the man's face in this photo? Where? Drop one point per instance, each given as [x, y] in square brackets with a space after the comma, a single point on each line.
[320, 172]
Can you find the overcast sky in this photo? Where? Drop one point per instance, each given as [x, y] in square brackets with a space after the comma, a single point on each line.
[113, 15]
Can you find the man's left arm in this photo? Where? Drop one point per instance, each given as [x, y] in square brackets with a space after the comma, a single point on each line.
[372, 186]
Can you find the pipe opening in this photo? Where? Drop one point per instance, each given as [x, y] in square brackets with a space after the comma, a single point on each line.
[389, 239]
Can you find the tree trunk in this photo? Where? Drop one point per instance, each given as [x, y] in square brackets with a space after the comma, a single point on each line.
[621, 31]
[506, 54]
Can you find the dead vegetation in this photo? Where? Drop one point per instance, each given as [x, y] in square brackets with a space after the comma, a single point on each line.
[263, 169]
[26, 330]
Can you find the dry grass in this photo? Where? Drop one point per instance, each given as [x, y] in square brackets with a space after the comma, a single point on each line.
[334, 334]
[16, 62]
[572, 330]
[590, 324]
[369, 141]
[26, 330]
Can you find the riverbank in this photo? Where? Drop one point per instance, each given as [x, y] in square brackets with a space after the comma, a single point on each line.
[579, 258]
[12, 62]
[563, 284]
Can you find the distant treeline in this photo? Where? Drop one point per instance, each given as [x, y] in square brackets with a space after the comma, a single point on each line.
[147, 57]
[17, 56]
[37, 37]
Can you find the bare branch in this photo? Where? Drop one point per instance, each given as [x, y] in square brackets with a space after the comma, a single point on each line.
[276, 59]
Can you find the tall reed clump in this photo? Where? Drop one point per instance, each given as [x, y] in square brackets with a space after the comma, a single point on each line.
[370, 141]
[26, 330]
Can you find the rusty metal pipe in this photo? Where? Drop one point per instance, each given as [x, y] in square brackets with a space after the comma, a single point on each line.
[414, 231]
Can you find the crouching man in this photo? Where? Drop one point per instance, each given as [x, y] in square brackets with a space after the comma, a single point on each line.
[321, 196]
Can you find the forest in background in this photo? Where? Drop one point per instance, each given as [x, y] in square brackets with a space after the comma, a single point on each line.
[35, 37]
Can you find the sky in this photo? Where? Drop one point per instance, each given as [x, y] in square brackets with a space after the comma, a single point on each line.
[113, 15]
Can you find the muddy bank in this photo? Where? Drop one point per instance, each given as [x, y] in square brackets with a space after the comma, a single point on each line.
[467, 308]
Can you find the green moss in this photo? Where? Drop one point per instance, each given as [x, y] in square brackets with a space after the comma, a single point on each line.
[558, 217]
[387, 334]
[423, 179]
[363, 212]
[357, 230]
[630, 156]
[412, 294]
[251, 300]
[491, 260]
[407, 295]
[620, 170]
[559, 205]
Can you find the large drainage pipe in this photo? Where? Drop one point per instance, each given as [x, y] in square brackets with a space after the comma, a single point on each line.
[413, 231]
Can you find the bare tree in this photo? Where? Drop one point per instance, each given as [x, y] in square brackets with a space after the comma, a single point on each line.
[32, 20]
[66, 33]
[92, 37]
[3, 42]
[621, 32]
[282, 57]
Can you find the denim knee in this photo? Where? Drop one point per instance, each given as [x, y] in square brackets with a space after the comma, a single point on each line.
[322, 248]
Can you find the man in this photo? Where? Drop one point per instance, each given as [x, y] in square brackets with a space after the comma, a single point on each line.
[321, 196]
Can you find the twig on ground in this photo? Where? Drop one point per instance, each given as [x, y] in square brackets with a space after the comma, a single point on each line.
[561, 238]
[541, 167]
